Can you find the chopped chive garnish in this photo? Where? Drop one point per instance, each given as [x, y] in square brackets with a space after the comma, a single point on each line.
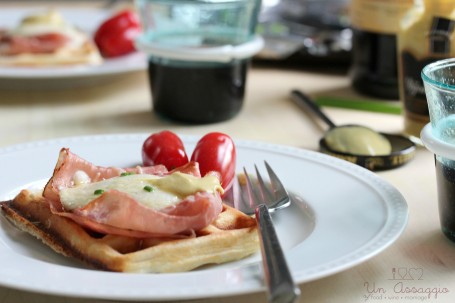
[148, 188]
[126, 173]
[98, 192]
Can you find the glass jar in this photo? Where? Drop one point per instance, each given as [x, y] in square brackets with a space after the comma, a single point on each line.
[198, 53]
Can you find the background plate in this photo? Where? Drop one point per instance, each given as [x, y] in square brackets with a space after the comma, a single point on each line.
[341, 216]
[74, 75]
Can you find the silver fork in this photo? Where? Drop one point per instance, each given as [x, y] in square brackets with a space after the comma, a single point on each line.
[262, 201]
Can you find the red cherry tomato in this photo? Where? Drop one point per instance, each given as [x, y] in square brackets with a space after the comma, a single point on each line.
[115, 36]
[164, 148]
[216, 152]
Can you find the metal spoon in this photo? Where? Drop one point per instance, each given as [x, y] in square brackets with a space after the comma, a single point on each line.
[401, 151]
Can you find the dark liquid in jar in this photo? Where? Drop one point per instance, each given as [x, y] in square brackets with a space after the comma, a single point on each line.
[208, 93]
[445, 176]
[374, 64]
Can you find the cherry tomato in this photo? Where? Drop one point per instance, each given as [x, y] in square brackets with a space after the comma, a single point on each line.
[164, 148]
[115, 36]
[216, 152]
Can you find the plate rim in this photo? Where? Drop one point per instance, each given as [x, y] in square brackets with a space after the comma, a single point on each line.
[387, 235]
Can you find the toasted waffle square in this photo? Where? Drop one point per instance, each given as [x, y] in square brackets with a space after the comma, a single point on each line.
[232, 236]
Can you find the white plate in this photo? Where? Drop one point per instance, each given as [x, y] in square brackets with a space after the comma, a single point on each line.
[341, 216]
[86, 19]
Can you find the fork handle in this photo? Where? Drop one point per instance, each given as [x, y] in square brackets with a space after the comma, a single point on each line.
[281, 286]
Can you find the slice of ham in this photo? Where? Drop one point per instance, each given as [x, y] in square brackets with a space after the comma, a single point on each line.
[69, 163]
[115, 212]
[36, 44]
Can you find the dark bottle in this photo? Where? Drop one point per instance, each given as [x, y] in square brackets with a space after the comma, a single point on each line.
[375, 24]
[374, 64]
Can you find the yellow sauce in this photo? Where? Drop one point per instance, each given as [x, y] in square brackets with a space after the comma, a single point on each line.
[358, 140]
[150, 190]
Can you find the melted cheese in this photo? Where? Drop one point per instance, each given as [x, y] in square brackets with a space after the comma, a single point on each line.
[152, 191]
[49, 17]
[49, 22]
[80, 177]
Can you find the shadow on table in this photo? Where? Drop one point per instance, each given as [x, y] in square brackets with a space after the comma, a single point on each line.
[435, 249]
[63, 91]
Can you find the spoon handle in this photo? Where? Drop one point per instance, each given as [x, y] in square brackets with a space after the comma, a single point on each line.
[305, 102]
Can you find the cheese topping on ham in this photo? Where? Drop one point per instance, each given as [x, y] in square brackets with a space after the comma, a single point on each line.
[149, 190]
[49, 22]
[107, 200]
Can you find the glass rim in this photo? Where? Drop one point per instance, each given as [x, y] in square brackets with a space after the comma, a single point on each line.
[436, 66]
[224, 53]
[436, 145]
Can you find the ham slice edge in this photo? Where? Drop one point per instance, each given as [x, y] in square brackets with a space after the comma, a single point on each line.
[115, 212]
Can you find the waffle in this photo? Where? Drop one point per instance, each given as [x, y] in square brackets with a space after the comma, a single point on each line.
[232, 236]
[86, 54]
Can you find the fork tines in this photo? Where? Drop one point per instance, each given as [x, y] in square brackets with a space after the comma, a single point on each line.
[274, 195]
